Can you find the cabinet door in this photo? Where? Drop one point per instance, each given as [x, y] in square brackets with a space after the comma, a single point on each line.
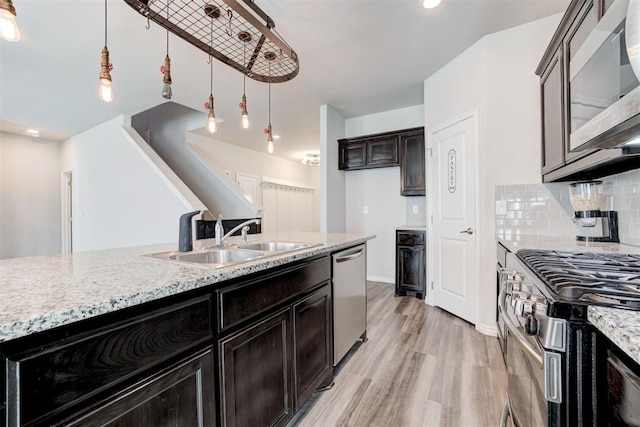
[255, 374]
[553, 129]
[353, 155]
[383, 151]
[182, 395]
[412, 165]
[312, 343]
[411, 270]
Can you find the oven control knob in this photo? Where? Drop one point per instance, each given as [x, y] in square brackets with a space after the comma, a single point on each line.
[531, 326]
[527, 309]
[518, 307]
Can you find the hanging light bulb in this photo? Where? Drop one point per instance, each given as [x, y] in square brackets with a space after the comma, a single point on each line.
[244, 37]
[8, 27]
[430, 4]
[166, 69]
[105, 90]
[212, 125]
[269, 56]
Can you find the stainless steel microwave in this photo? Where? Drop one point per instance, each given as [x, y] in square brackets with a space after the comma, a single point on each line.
[604, 79]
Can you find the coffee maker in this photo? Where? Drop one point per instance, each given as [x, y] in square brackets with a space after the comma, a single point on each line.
[595, 225]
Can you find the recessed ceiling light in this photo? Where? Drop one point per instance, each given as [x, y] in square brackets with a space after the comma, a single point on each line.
[430, 4]
[33, 132]
[276, 136]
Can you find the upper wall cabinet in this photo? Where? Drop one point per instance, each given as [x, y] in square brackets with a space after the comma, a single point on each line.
[404, 148]
[558, 162]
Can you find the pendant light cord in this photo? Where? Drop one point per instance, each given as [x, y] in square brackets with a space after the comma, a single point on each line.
[105, 22]
[269, 92]
[244, 64]
[167, 29]
[211, 59]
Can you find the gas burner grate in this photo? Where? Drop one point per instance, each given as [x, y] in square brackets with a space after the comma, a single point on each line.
[599, 278]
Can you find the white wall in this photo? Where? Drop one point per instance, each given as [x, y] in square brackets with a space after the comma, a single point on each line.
[379, 191]
[332, 194]
[496, 76]
[119, 200]
[30, 191]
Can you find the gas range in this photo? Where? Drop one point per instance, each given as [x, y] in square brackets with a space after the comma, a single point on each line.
[610, 279]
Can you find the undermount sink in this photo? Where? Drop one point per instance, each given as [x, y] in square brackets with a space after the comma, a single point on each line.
[217, 256]
[275, 246]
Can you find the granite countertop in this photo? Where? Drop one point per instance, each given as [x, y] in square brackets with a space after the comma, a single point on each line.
[412, 227]
[40, 293]
[513, 243]
[622, 327]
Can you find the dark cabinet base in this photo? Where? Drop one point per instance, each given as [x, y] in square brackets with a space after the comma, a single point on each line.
[410, 263]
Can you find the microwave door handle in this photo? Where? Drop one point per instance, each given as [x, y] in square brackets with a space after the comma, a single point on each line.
[515, 330]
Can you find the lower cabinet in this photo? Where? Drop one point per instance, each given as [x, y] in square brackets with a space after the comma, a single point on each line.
[180, 396]
[410, 263]
[256, 374]
[269, 369]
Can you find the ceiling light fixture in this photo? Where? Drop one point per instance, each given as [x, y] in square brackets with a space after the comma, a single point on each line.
[212, 12]
[430, 4]
[188, 23]
[166, 93]
[269, 56]
[244, 37]
[311, 160]
[8, 26]
[105, 91]
[33, 132]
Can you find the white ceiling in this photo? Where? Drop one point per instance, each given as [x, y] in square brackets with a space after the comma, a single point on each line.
[360, 56]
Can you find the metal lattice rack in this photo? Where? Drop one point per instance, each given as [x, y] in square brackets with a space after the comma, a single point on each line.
[230, 24]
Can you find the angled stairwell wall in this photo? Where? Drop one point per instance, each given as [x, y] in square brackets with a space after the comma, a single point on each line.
[164, 128]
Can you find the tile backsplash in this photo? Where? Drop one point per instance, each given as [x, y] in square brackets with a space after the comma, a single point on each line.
[545, 209]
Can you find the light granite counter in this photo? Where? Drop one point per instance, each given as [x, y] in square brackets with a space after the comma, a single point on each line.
[40, 293]
[513, 243]
[622, 327]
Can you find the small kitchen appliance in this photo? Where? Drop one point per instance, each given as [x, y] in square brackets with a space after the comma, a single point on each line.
[596, 225]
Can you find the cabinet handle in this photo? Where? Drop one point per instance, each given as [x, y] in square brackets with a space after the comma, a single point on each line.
[468, 231]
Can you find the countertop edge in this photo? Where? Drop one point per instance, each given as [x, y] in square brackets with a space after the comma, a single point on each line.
[620, 326]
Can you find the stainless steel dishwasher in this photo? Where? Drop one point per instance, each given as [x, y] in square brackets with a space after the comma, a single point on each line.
[349, 299]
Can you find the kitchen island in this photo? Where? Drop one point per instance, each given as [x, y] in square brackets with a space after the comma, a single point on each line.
[113, 335]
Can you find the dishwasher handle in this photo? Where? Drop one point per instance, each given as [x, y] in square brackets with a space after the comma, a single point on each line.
[351, 256]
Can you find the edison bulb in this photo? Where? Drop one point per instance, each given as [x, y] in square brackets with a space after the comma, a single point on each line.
[8, 27]
[270, 147]
[105, 91]
[212, 126]
[166, 91]
[430, 4]
[245, 120]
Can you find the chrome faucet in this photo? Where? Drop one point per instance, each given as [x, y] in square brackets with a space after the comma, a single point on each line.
[244, 226]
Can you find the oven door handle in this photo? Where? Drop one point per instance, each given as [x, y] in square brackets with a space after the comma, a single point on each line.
[515, 330]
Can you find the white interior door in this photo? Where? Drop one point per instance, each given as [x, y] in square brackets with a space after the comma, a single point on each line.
[453, 189]
[249, 185]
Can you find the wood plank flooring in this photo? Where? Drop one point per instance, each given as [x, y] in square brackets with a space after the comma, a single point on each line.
[421, 366]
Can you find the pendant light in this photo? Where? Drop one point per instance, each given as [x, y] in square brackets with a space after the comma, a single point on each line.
[166, 69]
[430, 4]
[212, 125]
[8, 27]
[105, 91]
[244, 37]
[269, 56]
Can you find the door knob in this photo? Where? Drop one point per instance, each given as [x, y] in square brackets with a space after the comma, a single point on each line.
[468, 231]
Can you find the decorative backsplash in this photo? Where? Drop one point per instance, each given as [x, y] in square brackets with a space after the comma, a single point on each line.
[545, 209]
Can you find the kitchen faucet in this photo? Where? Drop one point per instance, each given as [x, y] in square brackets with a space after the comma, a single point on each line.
[220, 236]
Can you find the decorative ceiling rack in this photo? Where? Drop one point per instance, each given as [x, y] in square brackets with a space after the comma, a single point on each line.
[237, 25]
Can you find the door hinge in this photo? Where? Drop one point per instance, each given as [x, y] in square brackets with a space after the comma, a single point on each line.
[430, 150]
[431, 219]
[432, 285]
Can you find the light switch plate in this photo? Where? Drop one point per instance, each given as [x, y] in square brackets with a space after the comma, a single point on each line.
[365, 209]
[501, 207]
[416, 209]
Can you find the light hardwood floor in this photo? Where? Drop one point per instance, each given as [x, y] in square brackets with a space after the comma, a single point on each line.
[421, 366]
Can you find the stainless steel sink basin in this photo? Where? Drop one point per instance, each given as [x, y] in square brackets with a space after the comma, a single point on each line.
[275, 246]
[210, 258]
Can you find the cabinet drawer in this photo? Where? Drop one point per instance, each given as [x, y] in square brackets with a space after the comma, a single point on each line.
[50, 378]
[249, 299]
[410, 238]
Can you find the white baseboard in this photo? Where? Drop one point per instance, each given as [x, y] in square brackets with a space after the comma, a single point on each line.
[490, 330]
[382, 279]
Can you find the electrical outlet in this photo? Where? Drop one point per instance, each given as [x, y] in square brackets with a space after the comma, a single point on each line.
[416, 209]
[365, 210]
[501, 207]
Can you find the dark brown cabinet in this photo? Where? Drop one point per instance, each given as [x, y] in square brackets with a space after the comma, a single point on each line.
[256, 374]
[178, 396]
[411, 272]
[412, 164]
[366, 152]
[313, 343]
[553, 117]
